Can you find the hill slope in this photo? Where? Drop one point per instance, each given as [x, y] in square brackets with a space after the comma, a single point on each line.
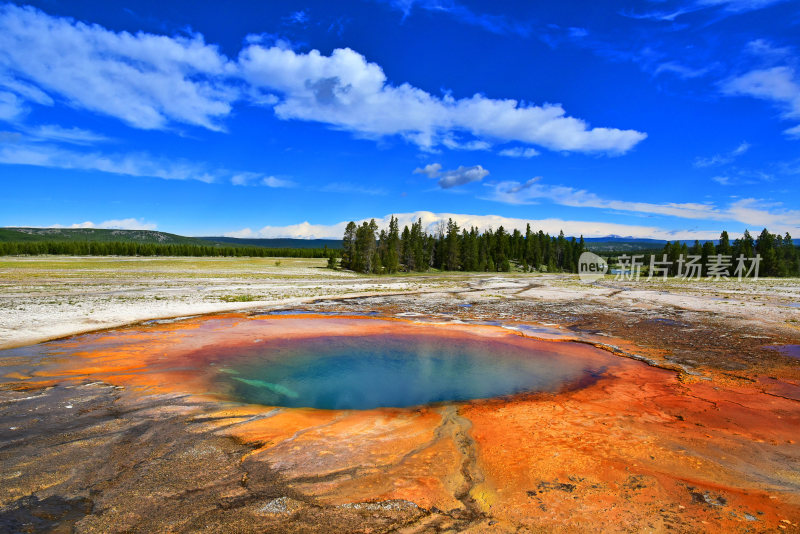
[96, 234]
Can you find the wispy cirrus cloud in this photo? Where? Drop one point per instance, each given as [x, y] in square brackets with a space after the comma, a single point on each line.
[793, 132]
[56, 133]
[779, 85]
[140, 164]
[348, 187]
[722, 159]
[749, 211]
[774, 76]
[257, 178]
[494, 23]
[674, 10]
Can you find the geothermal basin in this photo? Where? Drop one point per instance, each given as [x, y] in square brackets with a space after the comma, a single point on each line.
[324, 422]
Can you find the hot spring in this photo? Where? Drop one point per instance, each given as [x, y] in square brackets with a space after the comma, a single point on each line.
[391, 370]
[330, 363]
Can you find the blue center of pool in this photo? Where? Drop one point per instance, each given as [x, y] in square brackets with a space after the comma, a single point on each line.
[362, 372]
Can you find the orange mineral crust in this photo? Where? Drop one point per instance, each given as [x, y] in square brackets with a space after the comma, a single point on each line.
[634, 448]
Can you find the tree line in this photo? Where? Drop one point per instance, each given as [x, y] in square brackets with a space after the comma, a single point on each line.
[95, 248]
[367, 249]
[778, 255]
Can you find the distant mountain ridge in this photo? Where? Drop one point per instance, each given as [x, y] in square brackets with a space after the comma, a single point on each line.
[20, 234]
[278, 242]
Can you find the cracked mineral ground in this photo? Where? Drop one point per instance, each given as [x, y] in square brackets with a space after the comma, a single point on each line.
[690, 424]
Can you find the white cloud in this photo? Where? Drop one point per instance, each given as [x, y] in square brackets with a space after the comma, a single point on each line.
[453, 144]
[512, 192]
[722, 159]
[304, 230]
[54, 132]
[430, 222]
[298, 17]
[749, 211]
[431, 170]
[519, 152]
[115, 224]
[155, 81]
[256, 178]
[126, 164]
[143, 79]
[347, 92]
[347, 187]
[793, 132]
[498, 24]
[681, 71]
[131, 164]
[12, 107]
[759, 214]
[779, 85]
[460, 176]
[767, 51]
[271, 181]
[730, 6]
[739, 6]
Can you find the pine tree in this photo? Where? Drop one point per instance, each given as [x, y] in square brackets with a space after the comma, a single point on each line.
[348, 245]
[392, 263]
[724, 246]
[452, 247]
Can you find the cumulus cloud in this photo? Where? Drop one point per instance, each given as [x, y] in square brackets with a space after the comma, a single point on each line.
[115, 224]
[347, 92]
[143, 79]
[432, 170]
[431, 221]
[460, 176]
[155, 82]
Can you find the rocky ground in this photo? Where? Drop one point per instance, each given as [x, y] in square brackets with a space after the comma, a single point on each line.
[696, 430]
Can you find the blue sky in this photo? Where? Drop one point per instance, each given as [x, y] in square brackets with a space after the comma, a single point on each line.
[666, 119]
